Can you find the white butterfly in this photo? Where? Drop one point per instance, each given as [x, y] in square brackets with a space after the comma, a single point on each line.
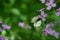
[37, 24]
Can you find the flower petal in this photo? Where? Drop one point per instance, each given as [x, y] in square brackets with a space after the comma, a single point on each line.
[48, 8]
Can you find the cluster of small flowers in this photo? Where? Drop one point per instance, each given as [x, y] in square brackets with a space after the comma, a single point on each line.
[49, 4]
[2, 38]
[43, 15]
[50, 31]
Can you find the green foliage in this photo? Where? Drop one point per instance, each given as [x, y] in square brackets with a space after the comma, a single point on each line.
[14, 11]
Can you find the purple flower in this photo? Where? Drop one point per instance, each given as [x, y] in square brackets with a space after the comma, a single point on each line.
[48, 28]
[50, 25]
[51, 32]
[2, 38]
[50, 4]
[45, 32]
[42, 16]
[21, 24]
[56, 34]
[48, 31]
[42, 1]
[52, 1]
[6, 26]
[58, 12]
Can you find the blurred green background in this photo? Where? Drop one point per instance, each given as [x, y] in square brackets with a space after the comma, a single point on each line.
[14, 11]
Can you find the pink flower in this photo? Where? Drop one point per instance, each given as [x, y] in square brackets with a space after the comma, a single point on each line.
[58, 12]
[6, 26]
[48, 31]
[56, 35]
[51, 1]
[50, 25]
[2, 38]
[42, 16]
[21, 24]
[51, 32]
[50, 4]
